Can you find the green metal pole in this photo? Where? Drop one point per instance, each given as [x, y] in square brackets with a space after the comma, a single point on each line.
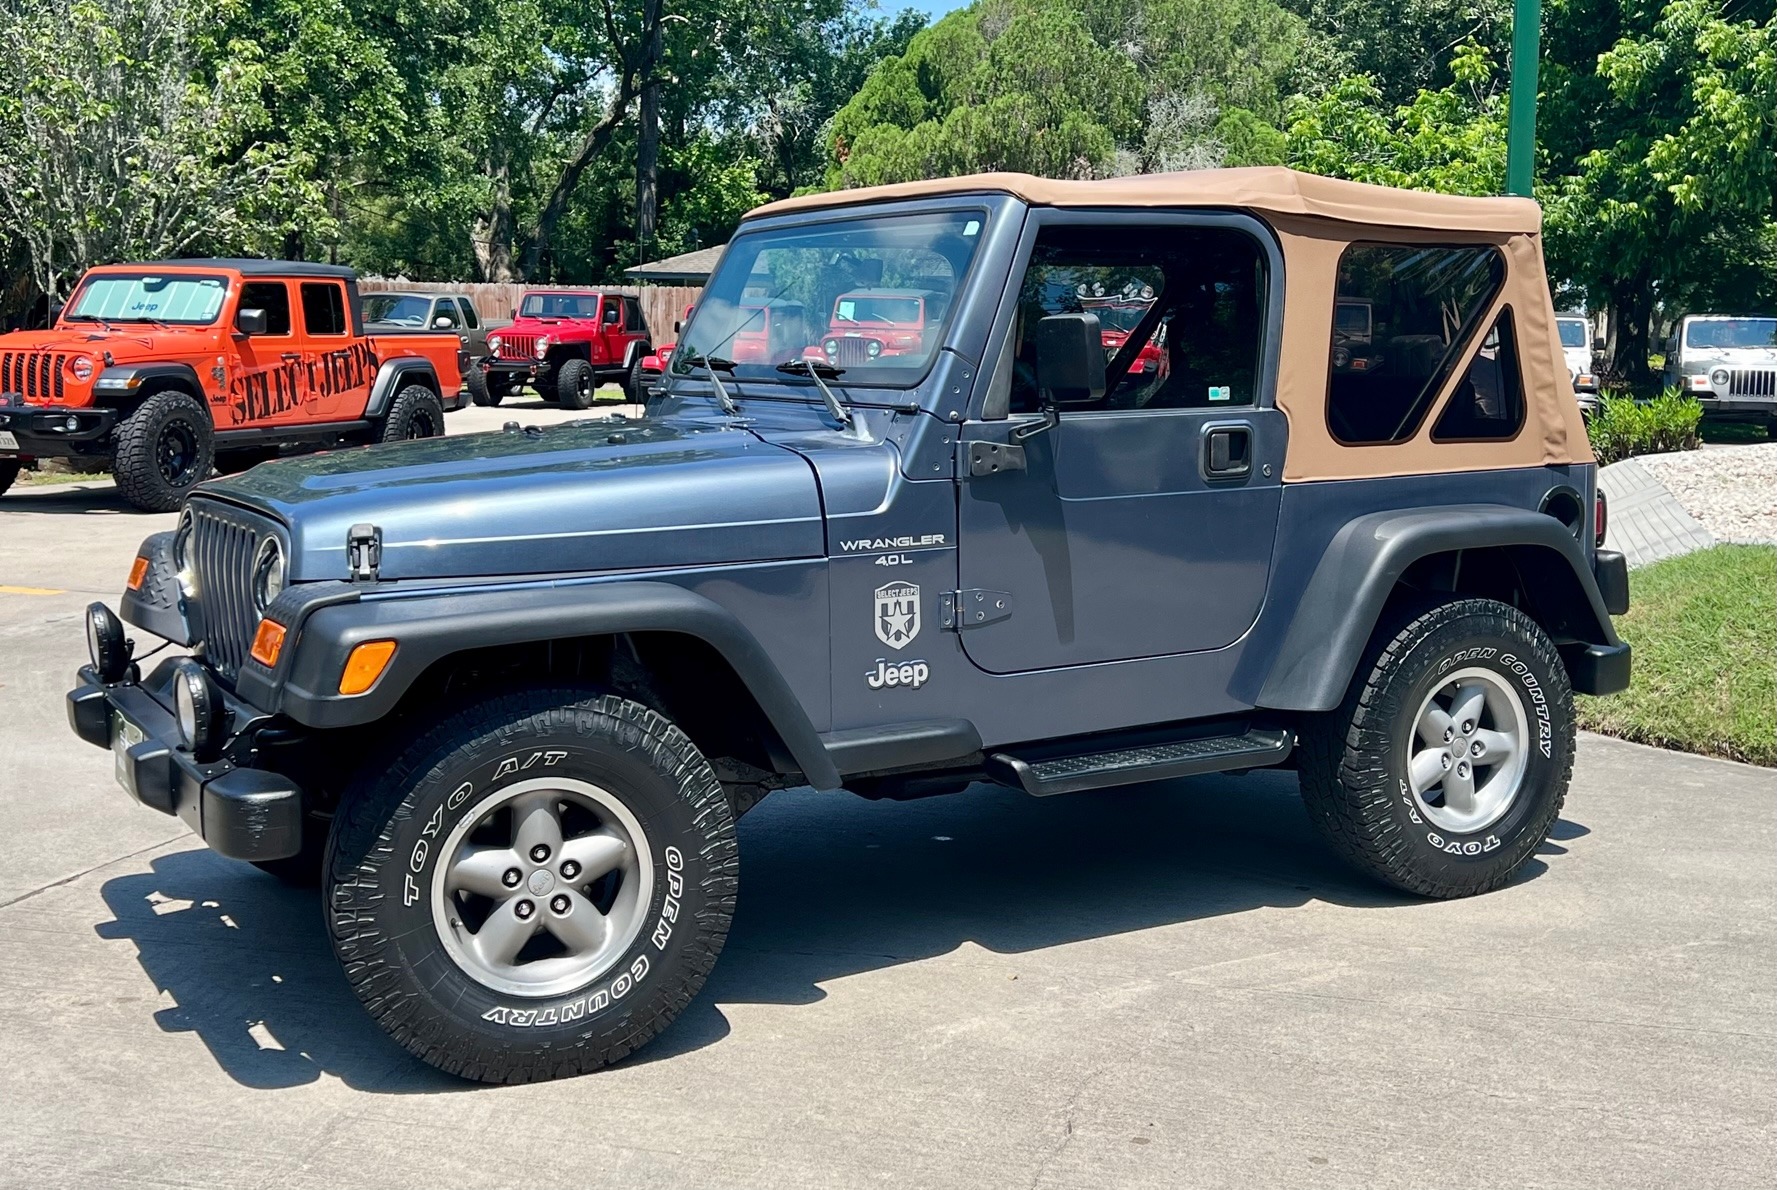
[1527, 19]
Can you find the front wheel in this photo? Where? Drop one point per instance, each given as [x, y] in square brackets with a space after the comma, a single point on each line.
[535, 888]
[574, 384]
[1446, 765]
[475, 381]
[163, 450]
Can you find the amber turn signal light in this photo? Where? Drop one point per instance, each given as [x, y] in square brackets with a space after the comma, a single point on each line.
[365, 666]
[138, 572]
[268, 642]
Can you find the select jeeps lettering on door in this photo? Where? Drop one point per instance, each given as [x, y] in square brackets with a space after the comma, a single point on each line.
[517, 688]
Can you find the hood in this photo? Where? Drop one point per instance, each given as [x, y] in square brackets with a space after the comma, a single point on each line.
[127, 343]
[587, 497]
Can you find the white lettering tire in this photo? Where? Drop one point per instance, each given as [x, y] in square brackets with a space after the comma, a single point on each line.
[536, 887]
[1446, 765]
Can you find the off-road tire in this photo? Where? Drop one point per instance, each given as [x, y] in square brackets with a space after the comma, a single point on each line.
[9, 472]
[635, 387]
[574, 384]
[416, 412]
[388, 846]
[163, 450]
[475, 380]
[1353, 760]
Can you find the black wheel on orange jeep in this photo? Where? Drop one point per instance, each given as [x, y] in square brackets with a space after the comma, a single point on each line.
[1446, 765]
[416, 412]
[9, 471]
[163, 450]
[574, 384]
[535, 887]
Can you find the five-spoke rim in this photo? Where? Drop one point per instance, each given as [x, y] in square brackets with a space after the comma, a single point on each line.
[1467, 756]
[541, 886]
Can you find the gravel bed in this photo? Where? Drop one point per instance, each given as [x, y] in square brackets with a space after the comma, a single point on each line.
[1732, 490]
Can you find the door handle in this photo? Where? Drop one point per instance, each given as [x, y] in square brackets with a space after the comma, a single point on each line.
[1227, 452]
[290, 357]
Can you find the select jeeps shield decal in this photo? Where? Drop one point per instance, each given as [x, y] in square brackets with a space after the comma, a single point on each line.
[897, 614]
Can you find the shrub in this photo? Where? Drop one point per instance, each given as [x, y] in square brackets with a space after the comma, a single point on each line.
[1624, 427]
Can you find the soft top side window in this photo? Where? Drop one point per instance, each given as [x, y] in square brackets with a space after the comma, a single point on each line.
[1181, 312]
[1488, 404]
[1401, 317]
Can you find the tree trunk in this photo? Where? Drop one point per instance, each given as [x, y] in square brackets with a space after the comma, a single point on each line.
[648, 135]
[1631, 310]
[491, 237]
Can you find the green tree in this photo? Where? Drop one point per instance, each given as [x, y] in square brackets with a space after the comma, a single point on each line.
[1658, 133]
[1404, 46]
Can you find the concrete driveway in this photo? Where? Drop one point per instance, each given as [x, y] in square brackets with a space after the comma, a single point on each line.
[1169, 986]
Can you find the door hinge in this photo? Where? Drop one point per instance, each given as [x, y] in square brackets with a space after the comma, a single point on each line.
[973, 608]
[364, 552]
[991, 458]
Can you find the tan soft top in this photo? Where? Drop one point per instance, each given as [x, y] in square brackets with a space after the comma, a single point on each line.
[1270, 188]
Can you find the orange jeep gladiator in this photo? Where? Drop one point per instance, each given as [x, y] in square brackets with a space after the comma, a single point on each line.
[172, 369]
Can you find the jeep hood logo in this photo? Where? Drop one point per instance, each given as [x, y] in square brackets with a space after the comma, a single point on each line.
[897, 614]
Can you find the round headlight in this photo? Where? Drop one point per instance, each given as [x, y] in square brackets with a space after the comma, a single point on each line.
[874, 349]
[1719, 378]
[196, 708]
[1341, 357]
[832, 346]
[81, 367]
[268, 573]
[493, 343]
[105, 644]
[182, 560]
[543, 342]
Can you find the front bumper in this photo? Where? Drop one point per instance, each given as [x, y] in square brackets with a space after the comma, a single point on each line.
[42, 432]
[1737, 408]
[241, 812]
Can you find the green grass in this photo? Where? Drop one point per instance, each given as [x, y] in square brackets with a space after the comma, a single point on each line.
[1733, 433]
[1704, 630]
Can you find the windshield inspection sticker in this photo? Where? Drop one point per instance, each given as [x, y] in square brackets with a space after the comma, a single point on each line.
[897, 614]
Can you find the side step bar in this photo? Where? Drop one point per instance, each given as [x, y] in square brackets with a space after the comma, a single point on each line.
[1153, 762]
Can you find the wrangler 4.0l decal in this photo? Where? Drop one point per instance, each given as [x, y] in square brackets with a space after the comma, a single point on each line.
[877, 545]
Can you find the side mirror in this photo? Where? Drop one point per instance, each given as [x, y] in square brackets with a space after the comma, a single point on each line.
[678, 325]
[1598, 343]
[1070, 358]
[250, 322]
[442, 323]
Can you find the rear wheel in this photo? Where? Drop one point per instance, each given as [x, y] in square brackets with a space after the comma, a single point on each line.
[574, 384]
[535, 888]
[416, 412]
[1446, 765]
[163, 450]
[9, 472]
[635, 385]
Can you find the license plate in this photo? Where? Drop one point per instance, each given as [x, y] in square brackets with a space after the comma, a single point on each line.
[124, 736]
[8, 441]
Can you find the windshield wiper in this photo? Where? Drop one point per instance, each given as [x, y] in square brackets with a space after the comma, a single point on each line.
[820, 374]
[713, 365]
[89, 318]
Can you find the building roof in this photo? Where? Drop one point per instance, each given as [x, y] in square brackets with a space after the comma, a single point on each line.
[1270, 188]
[690, 267]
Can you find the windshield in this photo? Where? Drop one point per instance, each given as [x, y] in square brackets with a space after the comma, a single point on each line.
[1122, 317]
[871, 296]
[1573, 331]
[560, 305]
[1732, 332]
[1351, 318]
[403, 309]
[144, 297]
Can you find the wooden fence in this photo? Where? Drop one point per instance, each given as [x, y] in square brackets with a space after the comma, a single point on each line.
[662, 305]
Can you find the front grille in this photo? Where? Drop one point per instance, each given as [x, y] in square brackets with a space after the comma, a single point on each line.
[223, 543]
[853, 352]
[37, 375]
[518, 347]
[1753, 382]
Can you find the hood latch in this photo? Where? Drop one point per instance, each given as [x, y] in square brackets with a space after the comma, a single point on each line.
[364, 552]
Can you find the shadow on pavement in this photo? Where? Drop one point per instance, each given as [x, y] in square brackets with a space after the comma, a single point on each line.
[64, 498]
[831, 886]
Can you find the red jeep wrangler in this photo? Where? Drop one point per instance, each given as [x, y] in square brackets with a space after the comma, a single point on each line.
[566, 343]
[168, 370]
[868, 324]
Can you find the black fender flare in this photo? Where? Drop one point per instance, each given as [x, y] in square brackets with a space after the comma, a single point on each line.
[392, 375]
[1344, 599]
[430, 628]
[150, 379]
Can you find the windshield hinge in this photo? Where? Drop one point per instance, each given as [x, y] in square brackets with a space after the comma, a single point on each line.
[364, 552]
[973, 608]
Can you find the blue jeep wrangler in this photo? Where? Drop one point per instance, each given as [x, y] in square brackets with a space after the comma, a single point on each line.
[1116, 496]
